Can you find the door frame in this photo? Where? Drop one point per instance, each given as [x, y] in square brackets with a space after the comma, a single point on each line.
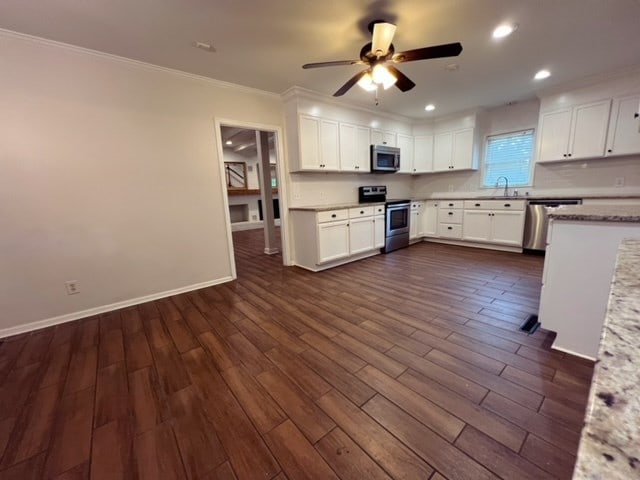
[280, 173]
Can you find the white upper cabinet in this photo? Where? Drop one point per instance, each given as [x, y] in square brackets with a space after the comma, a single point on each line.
[319, 148]
[405, 143]
[422, 154]
[624, 127]
[383, 137]
[574, 133]
[453, 151]
[354, 148]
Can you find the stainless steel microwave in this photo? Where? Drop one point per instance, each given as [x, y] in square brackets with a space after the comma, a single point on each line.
[385, 159]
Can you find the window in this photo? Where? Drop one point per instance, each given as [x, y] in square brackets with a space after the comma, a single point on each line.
[509, 155]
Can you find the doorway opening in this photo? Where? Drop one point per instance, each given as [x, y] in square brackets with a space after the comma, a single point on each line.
[250, 158]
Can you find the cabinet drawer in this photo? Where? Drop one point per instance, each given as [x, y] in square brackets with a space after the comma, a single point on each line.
[361, 212]
[379, 210]
[451, 203]
[450, 215]
[332, 215]
[449, 230]
[505, 204]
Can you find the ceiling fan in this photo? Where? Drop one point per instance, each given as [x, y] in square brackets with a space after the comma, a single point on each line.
[379, 55]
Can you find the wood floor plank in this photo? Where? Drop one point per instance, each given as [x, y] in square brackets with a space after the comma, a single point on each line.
[256, 335]
[199, 446]
[220, 351]
[111, 348]
[299, 373]
[171, 373]
[182, 337]
[219, 323]
[247, 452]
[35, 348]
[313, 423]
[112, 451]
[157, 456]
[196, 321]
[137, 351]
[88, 334]
[390, 453]
[147, 399]
[341, 356]
[16, 389]
[424, 410]
[223, 472]
[449, 379]
[131, 321]
[57, 365]
[259, 406]
[157, 334]
[296, 455]
[250, 356]
[31, 469]
[370, 355]
[112, 394]
[82, 370]
[544, 427]
[347, 458]
[347, 383]
[431, 447]
[546, 456]
[408, 343]
[493, 425]
[71, 439]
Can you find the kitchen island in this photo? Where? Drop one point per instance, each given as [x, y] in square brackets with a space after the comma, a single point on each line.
[583, 242]
[610, 444]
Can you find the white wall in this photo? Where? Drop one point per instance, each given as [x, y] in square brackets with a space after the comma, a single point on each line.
[109, 175]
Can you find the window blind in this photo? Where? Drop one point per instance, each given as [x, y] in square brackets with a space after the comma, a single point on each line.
[509, 155]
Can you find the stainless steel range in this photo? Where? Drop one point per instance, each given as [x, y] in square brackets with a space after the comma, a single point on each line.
[397, 216]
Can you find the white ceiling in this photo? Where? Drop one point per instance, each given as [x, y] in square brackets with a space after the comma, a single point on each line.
[263, 44]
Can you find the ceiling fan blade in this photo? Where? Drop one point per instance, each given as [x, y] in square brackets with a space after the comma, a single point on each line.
[382, 37]
[404, 83]
[350, 83]
[337, 63]
[437, 51]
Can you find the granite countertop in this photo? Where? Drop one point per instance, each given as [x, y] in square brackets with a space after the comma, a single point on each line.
[336, 206]
[597, 213]
[610, 444]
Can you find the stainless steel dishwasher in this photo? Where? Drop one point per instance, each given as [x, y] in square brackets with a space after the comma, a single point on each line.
[537, 220]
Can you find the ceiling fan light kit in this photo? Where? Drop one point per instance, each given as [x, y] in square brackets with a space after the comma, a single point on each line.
[379, 56]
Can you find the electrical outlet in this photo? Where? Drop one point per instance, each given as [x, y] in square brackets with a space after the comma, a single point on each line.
[619, 182]
[72, 287]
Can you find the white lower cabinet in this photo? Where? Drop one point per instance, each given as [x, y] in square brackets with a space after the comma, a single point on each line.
[333, 241]
[414, 222]
[494, 221]
[429, 221]
[361, 235]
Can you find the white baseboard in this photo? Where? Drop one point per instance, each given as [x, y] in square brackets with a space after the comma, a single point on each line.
[48, 322]
[575, 354]
[239, 226]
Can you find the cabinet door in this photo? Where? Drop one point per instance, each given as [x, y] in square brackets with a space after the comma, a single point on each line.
[423, 154]
[624, 130]
[361, 235]
[329, 145]
[589, 130]
[476, 225]
[462, 156]
[377, 137]
[554, 131]
[389, 138]
[507, 227]
[333, 241]
[429, 222]
[442, 151]
[348, 147]
[379, 231]
[309, 143]
[405, 142]
[413, 224]
[363, 142]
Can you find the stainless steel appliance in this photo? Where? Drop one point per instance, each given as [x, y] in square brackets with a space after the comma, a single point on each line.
[385, 159]
[536, 222]
[398, 216]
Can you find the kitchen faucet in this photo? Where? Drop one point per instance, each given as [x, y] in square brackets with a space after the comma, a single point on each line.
[506, 184]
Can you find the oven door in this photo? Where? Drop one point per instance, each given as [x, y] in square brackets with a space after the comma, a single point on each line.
[397, 219]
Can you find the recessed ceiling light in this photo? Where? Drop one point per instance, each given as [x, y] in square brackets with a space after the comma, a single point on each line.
[430, 108]
[542, 74]
[228, 142]
[504, 30]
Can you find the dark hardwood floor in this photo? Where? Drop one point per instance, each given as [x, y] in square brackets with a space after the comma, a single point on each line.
[406, 366]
